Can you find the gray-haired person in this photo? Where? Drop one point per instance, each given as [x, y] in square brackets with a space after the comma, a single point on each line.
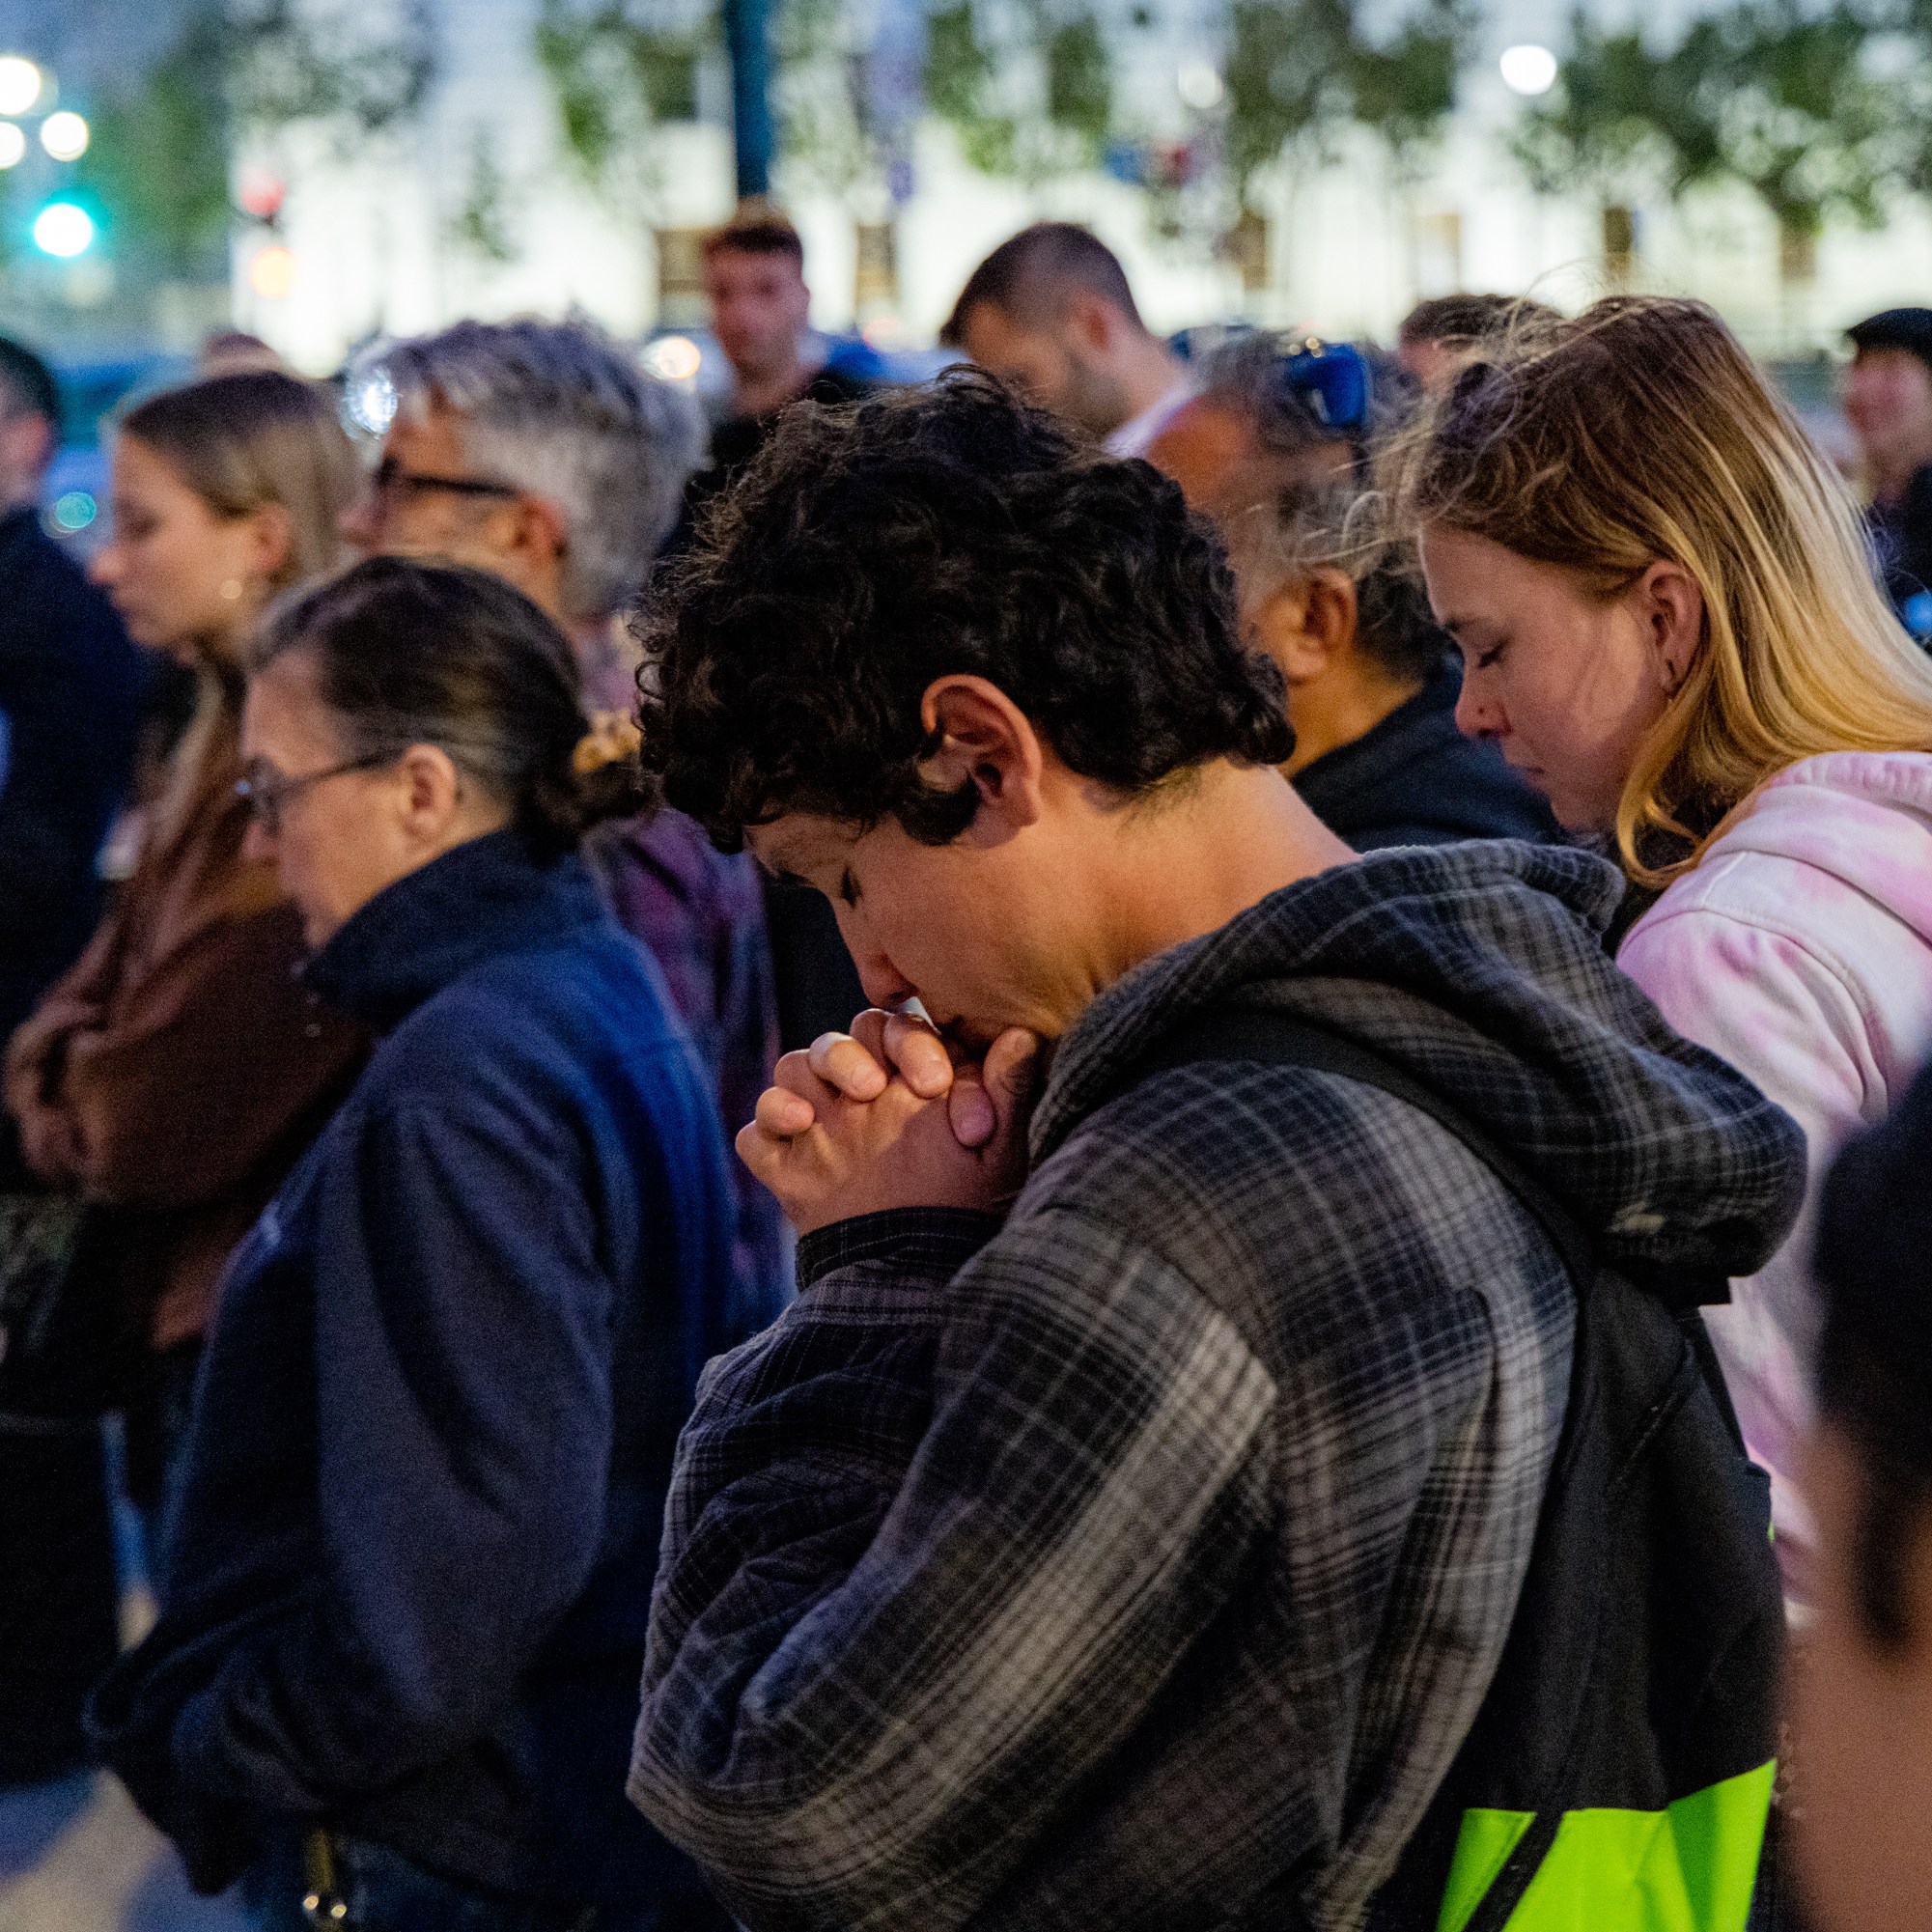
[542, 452]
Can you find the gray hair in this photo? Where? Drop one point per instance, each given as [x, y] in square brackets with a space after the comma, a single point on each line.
[561, 411]
[1307, 501]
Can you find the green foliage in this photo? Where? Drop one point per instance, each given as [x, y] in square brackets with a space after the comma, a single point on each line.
[1079, 82]
[1405, 88]
[1301, 71]
[1780, 96]
[1029, 90]
[959, 90]
[1602, 121]
[1287, 81]
[617, 76]
[481, 224]
[158, 158]
[287, 63]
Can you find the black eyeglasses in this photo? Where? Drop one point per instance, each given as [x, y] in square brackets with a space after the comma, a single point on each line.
[267, 790]
[391, 480]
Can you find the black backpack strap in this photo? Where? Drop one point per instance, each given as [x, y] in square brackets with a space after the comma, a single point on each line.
[1279, 1039]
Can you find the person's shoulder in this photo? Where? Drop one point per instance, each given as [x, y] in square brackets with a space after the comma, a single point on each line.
[835, 384]
[1235, 1157]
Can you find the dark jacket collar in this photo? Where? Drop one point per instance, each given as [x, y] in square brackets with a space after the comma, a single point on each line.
[483, 900]
[18, 523]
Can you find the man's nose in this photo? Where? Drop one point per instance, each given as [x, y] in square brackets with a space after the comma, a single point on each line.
[883, 983]
[258, 847]
[361, 523]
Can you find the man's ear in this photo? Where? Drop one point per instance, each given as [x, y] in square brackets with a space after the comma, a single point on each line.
[1092, 320]
[988, 742]
[537, 535]
[29, 444]
[430, 792]
[1670, 604]
[1307, 625]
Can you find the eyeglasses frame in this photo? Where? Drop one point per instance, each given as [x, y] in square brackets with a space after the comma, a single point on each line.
[267, 796]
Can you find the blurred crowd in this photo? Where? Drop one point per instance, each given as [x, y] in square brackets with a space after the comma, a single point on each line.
[1133, 1141]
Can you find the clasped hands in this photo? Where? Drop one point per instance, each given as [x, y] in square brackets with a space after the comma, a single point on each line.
[885, 1117]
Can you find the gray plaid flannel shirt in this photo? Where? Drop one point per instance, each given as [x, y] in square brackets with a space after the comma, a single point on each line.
[1141, 1562]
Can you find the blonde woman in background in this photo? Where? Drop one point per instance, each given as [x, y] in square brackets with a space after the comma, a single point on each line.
[173, 1076]
[1669, 624]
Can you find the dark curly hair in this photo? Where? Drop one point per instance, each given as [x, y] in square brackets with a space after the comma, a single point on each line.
[871, 549]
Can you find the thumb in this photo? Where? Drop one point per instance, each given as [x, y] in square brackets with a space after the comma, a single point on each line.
[1011, 1072]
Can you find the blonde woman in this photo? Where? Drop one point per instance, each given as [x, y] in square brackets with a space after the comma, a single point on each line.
[1669, 625]
[174, 1075]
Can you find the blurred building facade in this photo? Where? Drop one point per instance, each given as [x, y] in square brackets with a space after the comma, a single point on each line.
[540, 161]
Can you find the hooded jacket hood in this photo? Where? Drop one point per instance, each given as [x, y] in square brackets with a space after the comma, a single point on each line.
[1863, 817]
[1479, 970]
[484, 898]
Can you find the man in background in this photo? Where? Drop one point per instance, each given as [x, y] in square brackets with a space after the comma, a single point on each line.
[754, 269]
[1863, 1683]
[73, 692]
[754, 272]
[1277, 450]
[1440, 335]
[1888, 404]
[1050, 311]
[540, 451]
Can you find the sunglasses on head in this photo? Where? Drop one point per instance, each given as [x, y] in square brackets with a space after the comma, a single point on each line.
[1333, 381]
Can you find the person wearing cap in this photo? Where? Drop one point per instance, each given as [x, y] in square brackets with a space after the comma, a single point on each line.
[1888, 404]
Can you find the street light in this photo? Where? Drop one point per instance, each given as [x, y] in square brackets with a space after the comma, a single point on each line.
[63, 229]
[19, 84]
[1199, 85]
[273, 272]
[12, 144]
[1528, 69]
[63, 135]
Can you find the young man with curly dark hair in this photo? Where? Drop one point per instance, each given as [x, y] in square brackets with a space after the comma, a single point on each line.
[1123, 1529]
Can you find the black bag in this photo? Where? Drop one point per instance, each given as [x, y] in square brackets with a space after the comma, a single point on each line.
[69, 1347]
[1638, 1682]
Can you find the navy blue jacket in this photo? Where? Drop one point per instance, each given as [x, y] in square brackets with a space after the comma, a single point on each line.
[409, 1575]
[1414, 779]
[71, 693]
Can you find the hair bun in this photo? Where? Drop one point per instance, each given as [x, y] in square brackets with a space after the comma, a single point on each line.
[612, 738]
[600, 778]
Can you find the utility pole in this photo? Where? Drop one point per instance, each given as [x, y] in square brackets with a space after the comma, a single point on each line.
[747, 39]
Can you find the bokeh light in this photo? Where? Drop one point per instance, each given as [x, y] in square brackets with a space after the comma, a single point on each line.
[19, 84]
[1528, 69]
[63, 228]
[675, 358]
[1199, 85]
[273, 272]
[13, 145]
[63, 135]
[74, 510]
[370, 403]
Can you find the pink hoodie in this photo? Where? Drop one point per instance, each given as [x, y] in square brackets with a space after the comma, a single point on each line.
[1800, 950]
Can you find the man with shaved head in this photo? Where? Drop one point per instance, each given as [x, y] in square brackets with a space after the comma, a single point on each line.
[1050, 311]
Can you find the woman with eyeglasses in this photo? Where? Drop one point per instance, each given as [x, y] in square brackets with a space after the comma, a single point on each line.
[404, 1613]
[175, 1075]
